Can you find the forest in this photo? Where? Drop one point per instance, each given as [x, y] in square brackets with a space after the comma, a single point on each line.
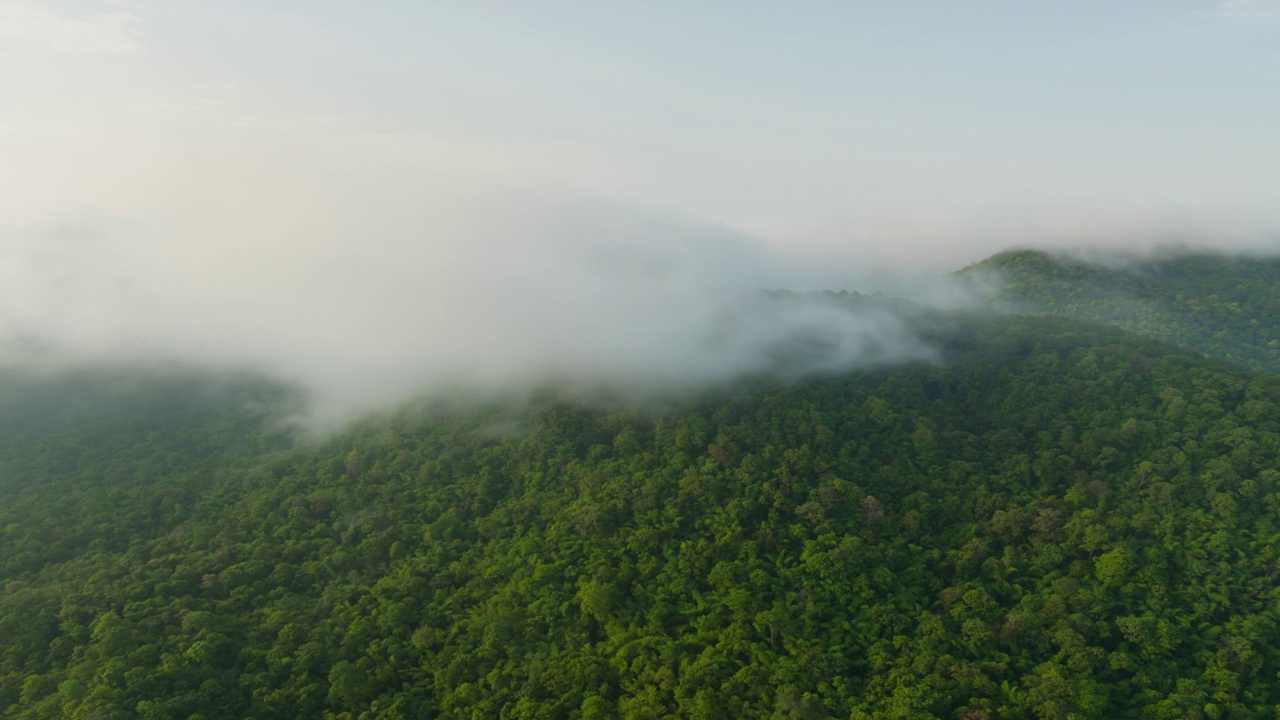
[1073, 513]
[1220, 305]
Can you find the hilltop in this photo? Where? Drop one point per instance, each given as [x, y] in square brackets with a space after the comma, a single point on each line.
[1220, 305]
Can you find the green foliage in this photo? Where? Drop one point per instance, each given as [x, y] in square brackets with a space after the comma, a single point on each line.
[1061, 521]
[1227, 307]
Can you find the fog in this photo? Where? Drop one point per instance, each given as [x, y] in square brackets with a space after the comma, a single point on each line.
[426, 199]
[373, 287]
[372, 276]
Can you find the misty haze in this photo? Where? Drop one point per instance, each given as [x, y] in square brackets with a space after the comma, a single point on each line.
[473, 360]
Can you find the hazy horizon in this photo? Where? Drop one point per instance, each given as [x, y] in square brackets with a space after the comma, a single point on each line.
[386, 195]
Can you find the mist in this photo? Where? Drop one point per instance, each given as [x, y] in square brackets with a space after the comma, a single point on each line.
[429, 199]
[372, 285]
[371, 276]
[373, 269]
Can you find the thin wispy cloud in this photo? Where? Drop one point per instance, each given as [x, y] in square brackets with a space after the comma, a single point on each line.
[92, 28]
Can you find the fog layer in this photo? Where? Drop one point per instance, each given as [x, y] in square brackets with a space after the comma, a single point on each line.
[371, 284]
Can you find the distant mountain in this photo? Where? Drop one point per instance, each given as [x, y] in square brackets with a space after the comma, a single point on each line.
[1219, 305]
[1056, 520]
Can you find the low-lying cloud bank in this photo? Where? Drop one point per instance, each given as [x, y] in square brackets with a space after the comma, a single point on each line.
[371, 282]
[381, 300]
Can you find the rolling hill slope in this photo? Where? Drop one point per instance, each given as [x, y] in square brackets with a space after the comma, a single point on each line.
[1061, 520]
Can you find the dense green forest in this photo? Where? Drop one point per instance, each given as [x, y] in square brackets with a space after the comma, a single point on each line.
[1218, 304]
[1059, 519]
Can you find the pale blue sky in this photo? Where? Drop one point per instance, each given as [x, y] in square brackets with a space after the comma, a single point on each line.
[807, 122]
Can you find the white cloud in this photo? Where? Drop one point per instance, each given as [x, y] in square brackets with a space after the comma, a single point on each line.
[371, 266]
[110, 28]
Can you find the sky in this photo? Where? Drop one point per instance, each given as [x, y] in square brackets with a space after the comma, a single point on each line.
[895, 129]
[226, 177]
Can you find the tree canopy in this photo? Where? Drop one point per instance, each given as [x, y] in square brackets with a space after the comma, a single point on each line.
[1223, 306]
[1059, 520]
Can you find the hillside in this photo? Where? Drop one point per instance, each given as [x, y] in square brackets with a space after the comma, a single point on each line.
[1060, 520]
[1219, 305]
[95, 460]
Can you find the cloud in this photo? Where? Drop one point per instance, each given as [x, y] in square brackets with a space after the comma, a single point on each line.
[372, 265]
[373, 257]
[372, 272]
[91, 29]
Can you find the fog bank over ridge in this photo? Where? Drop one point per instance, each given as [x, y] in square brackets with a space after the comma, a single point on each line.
[419, 197]
[373, 282]
[369, 296]
[372, 267]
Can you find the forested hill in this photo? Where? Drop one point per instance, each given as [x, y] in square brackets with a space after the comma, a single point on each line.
[1061, 521]
[1220, 305]
[99, 459]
